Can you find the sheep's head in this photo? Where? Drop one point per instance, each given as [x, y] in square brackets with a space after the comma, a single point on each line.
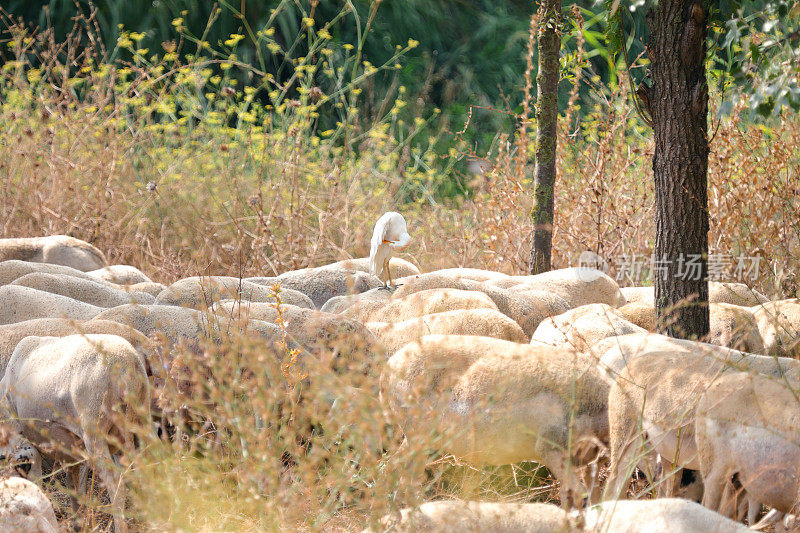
[18, 456]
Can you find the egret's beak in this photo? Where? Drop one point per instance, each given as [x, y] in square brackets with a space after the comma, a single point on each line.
[396, 245]
[402, 243]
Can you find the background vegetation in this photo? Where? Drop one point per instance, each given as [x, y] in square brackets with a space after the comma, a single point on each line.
[270, 138]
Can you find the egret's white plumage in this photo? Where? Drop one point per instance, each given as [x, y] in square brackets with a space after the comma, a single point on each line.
[390, 235]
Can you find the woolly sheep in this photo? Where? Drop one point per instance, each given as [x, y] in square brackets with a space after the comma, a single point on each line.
[748, 426]
[577, 286]
[735, 327]
[734, 293]
[718, 292]
[623, 516]
[359, 306]
[667, 515]
[230, 327]
[614, 353]
[497, 402]
[640, 313]
[371, 299]
[83, 290]
[120, 275]
[23, 303]
[527, 309]
[323, 283]
[62, 392]
[474, 322]
[19, 456]
[475, 274]
[420, 304]
[173, 322]
[398, 267]
[478, 517]
[55, 249]
[179, 324]
[644, 295]
[202, 292]
[150, 287]
[731, 325]
[14, 269]
[12, 334]
[779, 324]
[312, 329]
[583, 326]
[24, 507]
[652, 404]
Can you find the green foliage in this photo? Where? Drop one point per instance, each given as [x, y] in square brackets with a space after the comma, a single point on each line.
[613, 35]
[755, 53]
[470, 59]
[470, 54]
[460, 58]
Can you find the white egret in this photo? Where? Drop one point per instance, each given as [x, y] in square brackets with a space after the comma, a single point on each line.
[389, 235]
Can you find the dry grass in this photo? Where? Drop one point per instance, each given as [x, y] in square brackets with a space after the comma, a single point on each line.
[163, 167]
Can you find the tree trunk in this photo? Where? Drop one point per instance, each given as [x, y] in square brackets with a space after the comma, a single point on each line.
[549, 43]
[679, 107]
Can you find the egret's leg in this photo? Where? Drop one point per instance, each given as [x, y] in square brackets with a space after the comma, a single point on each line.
[386, 269]
[386, 264]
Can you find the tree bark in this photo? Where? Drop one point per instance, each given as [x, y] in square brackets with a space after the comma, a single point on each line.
[549, 44]
[679, 106]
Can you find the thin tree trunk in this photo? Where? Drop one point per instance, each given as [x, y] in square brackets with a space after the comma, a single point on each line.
[679, 107]
[549, 44]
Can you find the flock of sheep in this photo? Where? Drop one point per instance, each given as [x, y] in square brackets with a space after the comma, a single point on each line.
[563, 369]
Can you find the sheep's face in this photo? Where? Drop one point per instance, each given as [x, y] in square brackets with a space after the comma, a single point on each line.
[20, 458]
[691, 486]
